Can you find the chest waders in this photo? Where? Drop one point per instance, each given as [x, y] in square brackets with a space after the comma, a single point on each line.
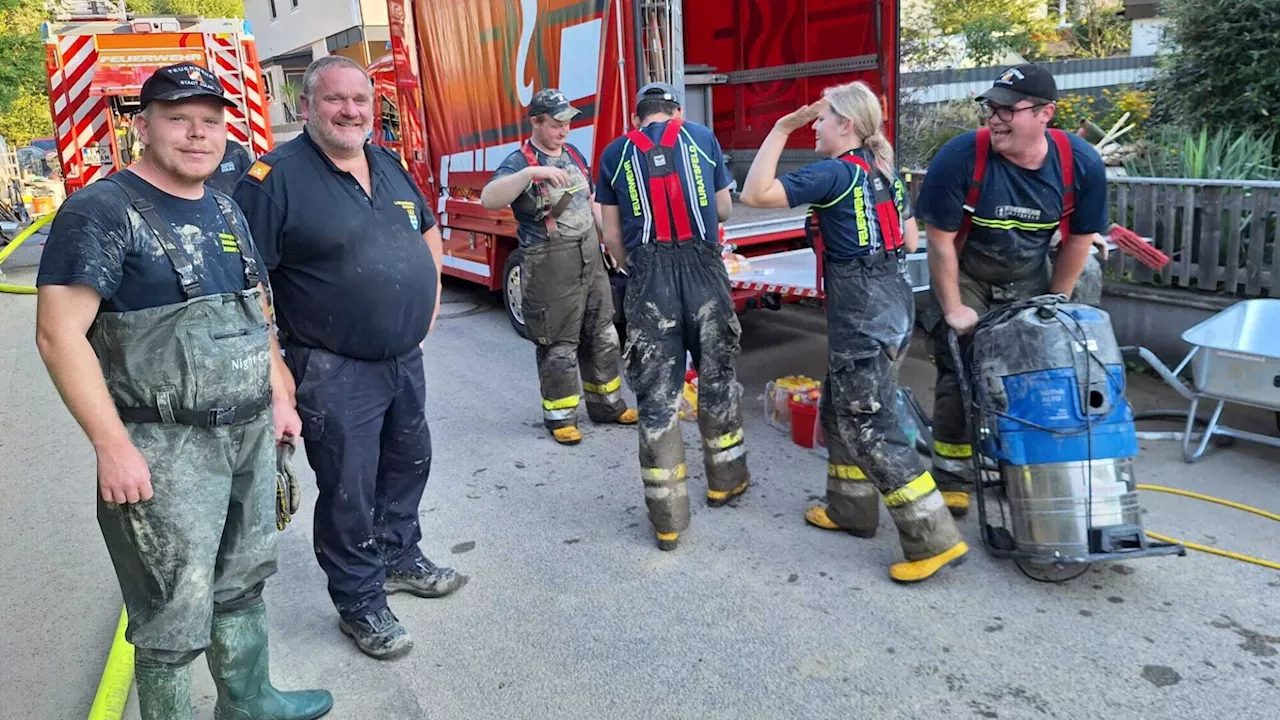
[678, 302]
[952, 453]
[870, 314]
[568, 309]
[191, 381]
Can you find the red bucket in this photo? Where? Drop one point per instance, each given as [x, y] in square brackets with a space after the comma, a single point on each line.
[804, 419]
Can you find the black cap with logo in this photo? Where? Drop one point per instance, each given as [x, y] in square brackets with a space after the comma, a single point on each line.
[1019, 83]
[180, 82]
[659, 91]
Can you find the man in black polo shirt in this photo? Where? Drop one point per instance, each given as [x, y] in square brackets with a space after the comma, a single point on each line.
[354, 255]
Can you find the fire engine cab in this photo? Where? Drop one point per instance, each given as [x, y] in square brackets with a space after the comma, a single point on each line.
[97, 56]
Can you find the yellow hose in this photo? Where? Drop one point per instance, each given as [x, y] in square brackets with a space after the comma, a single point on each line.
[13, 245]
[1206, 548]
[1210, 498]
[117, 677]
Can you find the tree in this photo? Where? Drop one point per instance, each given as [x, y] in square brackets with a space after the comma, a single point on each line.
[26, 118]
[990, 28]
[1225, 66]
[207, 8]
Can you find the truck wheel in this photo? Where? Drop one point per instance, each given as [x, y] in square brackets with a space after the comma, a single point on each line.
[513, 292]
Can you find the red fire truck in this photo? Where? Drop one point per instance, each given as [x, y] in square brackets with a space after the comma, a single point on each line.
[452, 94]
[96, 65]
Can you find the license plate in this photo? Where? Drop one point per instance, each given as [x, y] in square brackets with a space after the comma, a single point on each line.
[96, 155]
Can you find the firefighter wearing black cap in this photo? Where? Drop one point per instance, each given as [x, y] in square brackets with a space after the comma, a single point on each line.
[567, 302]
[857, 205]
[153, 324]
[992, 202]
[663, 190]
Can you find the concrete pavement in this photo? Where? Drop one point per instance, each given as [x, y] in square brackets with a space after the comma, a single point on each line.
[572, 612]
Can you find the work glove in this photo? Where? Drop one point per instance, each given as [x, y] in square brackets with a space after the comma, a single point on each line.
[288, 491]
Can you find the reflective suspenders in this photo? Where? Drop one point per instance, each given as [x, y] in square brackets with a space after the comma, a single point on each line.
[887, 215]
[982, 142]
[665, 189]
[540, 187]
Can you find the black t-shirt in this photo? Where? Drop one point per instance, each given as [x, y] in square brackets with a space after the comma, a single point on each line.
[576, 220]
[235, 163]
[349, 274]
[99, 240]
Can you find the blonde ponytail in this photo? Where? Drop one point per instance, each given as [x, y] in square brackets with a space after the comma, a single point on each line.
[858, 104]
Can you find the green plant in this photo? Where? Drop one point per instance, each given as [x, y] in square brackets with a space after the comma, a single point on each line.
[1100, 30]
[924, 129]
[1105, 110]
[990, 28]
[1224, 154]
[1226, 67]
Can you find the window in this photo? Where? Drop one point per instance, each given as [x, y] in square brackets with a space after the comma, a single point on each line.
[390, 121]
[271, 6]
[294, 3]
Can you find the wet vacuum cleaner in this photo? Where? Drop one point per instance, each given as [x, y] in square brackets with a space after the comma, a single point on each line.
[1054, 439]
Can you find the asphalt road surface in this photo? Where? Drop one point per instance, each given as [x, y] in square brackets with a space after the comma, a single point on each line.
[572, 612]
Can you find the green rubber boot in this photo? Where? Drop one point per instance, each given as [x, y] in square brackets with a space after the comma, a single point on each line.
[164, 690]
[238, 663]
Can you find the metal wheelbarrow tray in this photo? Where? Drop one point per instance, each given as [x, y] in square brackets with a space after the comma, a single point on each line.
[1235, 358]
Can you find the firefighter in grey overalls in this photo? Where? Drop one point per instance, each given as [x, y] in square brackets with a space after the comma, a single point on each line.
[567, 302]
[858, 203]
[154, 280]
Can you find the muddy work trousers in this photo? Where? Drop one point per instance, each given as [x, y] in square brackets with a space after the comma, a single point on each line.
[206, 540]
[870, 315]
[568, 309]
[952, 450]
[365, 428]
[678, 301]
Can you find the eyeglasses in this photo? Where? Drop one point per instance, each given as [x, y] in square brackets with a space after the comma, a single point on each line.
[1004, 112]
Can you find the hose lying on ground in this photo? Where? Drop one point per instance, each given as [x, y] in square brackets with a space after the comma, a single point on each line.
[17, 241]
[1206, 548]
[117, 677]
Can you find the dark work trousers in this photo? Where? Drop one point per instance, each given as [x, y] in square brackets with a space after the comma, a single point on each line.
[365, 429]
[952, 451]
[568, 308]
[870, 314]
[678, 301]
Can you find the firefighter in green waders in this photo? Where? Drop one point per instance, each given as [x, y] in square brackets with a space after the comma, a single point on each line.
[664, 190]
[567, 301]
[858, 203]
[153, 325]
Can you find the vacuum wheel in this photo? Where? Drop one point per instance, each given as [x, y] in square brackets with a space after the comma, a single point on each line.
[1056, 573]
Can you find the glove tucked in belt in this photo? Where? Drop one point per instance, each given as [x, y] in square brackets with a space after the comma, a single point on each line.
[288, 491]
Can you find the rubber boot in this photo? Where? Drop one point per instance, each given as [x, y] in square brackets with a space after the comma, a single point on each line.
[853, 503]
[568, 435]
[929, 535]
[164, 690]
[238, 663]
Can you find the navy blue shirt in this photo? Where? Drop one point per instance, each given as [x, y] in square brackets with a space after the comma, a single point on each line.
[841, 195]
[1018, 209]
[235, 163]
[350, 273]
[98, 240]
[623, 181]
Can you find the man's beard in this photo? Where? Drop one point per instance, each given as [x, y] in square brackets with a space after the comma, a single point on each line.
[319, 128]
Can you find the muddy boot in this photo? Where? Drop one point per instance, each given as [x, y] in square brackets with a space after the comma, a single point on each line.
[378, 634]
[238, 662]
[568, 435]
[929, 536]
[164, 689]
[424, 579]
[954, 473]
[666, 494]
[853, 504]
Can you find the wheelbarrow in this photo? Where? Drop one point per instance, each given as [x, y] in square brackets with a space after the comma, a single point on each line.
[1235, 357]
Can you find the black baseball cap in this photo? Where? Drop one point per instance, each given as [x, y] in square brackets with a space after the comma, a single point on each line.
[550, 101]
[1020, 83]
[659, 91]
[180, 82]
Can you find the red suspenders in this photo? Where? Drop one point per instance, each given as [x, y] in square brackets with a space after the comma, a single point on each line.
[665, 191]
[1065, 160]
[886, 209]
[544, 193]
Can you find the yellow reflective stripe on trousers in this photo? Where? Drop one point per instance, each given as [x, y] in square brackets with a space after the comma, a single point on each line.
[664, 474]
[561, 404]
[911, 492]
[953, 451]
[603, 388]
[727, 440]
[845, 472]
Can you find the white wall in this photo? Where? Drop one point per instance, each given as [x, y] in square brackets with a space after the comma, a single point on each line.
[1146, 35]
[374, 12]
[309, 23]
